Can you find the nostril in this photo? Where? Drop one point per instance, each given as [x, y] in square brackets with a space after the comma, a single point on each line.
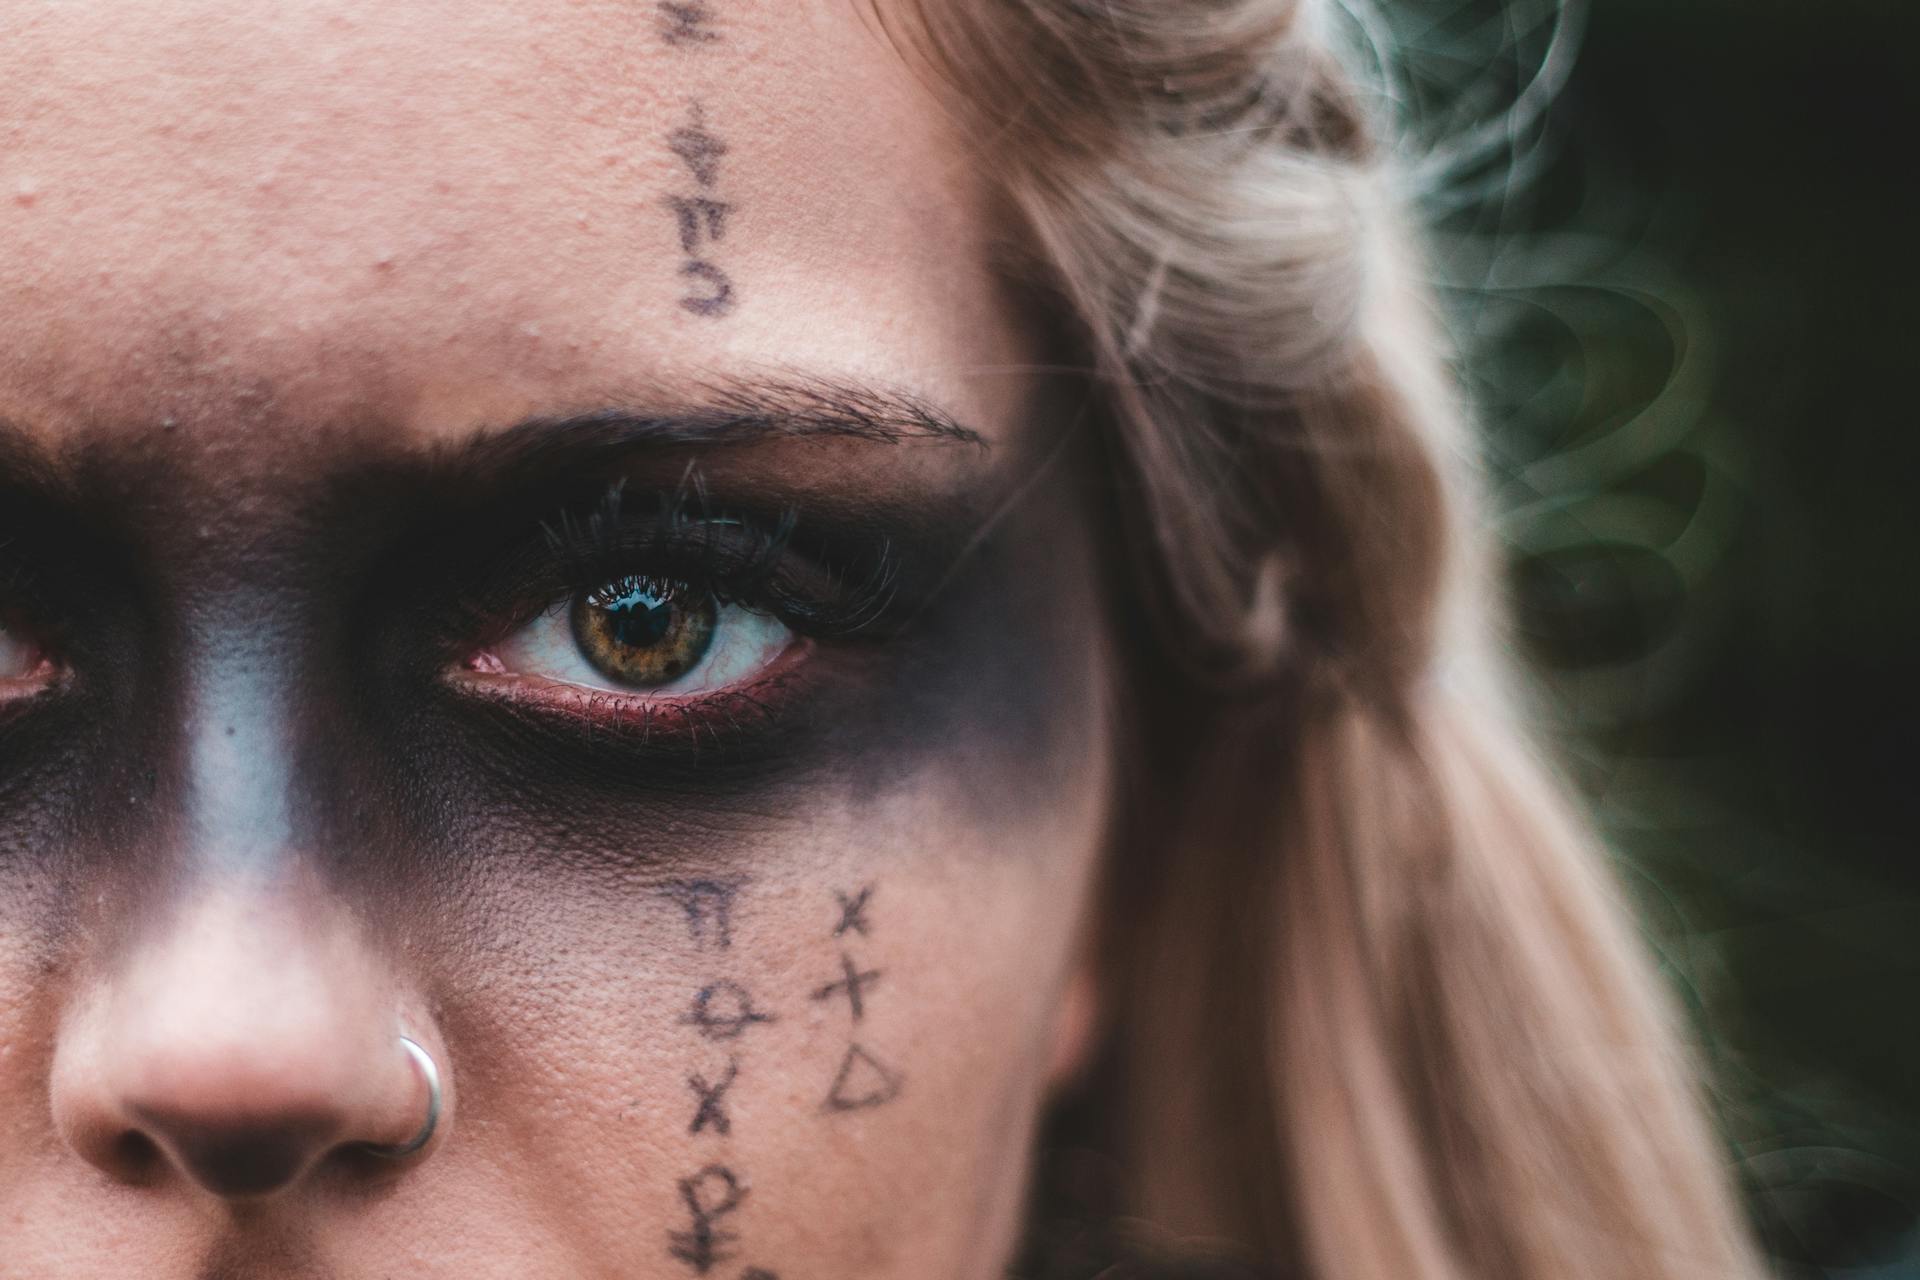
[134, 1156]
[241, 1160]
[251, 1164]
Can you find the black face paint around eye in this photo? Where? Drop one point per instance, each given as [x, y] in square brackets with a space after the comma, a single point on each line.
[943, 657]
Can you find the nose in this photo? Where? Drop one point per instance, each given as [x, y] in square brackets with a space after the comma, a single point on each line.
[251, 1041]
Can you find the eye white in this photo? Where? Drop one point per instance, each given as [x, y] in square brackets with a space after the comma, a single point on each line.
[744, 643]
[17, 657]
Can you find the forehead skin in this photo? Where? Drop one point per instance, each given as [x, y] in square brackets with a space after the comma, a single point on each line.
[450, 212]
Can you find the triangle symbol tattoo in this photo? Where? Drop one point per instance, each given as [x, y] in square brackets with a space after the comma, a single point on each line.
[863, 1081]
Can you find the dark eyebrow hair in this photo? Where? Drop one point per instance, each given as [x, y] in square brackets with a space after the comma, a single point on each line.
[722, 415]
[492, 473]
[26, 473]
[716, 415]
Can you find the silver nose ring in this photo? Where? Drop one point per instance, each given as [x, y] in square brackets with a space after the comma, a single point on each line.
[424, 1061]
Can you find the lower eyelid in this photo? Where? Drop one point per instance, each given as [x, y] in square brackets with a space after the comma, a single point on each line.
[760, 699]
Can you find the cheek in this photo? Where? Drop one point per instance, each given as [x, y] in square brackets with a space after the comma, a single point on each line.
[830, 1063]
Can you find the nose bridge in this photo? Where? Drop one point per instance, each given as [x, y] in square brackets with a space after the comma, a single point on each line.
[242, 734]
[240, 784]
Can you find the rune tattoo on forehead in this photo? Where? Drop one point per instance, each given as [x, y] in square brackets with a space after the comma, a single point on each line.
[698, 149]
[701, 217]
[686, 22]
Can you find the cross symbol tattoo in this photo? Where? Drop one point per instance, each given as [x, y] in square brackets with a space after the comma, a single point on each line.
[853, 984]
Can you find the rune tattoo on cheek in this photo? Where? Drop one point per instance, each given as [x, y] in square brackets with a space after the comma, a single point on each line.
[853, 912]
[723, 1010]
[712, 1113]
[863, 1080]
[710, 1195]
[698, 149]
[709, 908]
[853, 983]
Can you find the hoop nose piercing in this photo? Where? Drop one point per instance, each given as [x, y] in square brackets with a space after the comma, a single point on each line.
[424, 1061]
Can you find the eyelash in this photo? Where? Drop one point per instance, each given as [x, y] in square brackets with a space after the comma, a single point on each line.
[711, 550]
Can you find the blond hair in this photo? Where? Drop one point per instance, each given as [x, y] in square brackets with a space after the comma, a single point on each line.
[1381, 1015]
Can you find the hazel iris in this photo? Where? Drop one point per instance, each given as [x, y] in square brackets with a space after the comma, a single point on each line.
[644, 631]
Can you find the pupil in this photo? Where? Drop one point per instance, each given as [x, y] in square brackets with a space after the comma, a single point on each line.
[639, 618]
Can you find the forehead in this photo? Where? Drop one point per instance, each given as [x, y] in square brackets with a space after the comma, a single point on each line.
[442, 212]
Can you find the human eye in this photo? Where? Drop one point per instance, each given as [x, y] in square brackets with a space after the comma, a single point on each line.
[644, 634]
[17, 657]
[643, 611]
[25, 665]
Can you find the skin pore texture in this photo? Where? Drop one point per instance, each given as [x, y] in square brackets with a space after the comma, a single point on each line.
[340, 341]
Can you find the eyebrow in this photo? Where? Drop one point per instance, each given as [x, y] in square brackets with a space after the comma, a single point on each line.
[26, 473]
[719, 415]
[723, 415]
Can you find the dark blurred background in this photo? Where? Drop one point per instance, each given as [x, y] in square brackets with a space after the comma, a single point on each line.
[1686, 273]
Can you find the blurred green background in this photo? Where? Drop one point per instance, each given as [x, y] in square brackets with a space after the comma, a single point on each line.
[1686, 287]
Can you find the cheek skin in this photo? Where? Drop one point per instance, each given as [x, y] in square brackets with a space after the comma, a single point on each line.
[589, 1004]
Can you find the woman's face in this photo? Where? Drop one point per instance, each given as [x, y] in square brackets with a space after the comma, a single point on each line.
[530, 526]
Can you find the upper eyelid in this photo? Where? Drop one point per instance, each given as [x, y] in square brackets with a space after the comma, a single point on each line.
[460, 576]
[752, 566]
[608, 527]
[585, 564]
